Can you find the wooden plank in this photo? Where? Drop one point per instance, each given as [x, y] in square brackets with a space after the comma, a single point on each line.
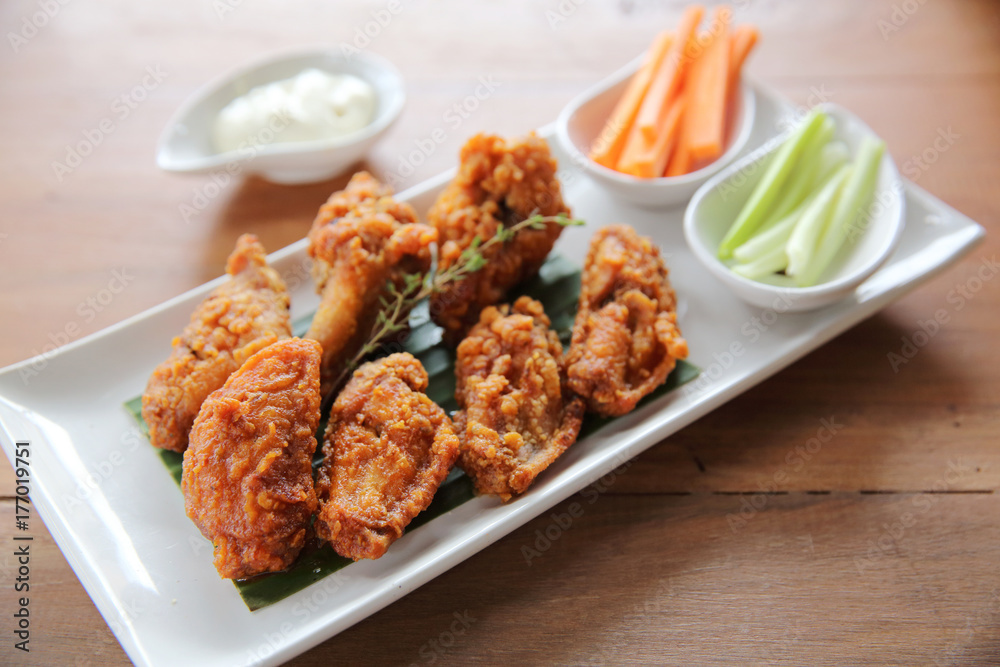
[662, 579]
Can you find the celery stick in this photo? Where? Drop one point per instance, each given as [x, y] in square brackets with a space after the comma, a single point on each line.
[778, 233]
[804, 174]
[772, 262]
[765, 242]
[763, 195]
[778, 280]
[832, 158]
[804, 239]
[857, 195]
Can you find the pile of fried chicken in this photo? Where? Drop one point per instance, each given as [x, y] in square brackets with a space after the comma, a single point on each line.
[241, 398]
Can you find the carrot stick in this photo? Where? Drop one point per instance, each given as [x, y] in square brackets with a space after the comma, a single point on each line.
[635, 146]
[607, 148]
[708, 83]
[648, 160]
[668, 76]
[680, 161]
[744, 38]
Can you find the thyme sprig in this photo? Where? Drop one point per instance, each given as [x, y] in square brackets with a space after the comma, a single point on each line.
[397, 302]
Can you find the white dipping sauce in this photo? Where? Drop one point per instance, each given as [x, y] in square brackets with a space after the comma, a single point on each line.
[312, 105]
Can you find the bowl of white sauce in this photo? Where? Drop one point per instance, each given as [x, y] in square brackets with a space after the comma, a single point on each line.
[297, 117]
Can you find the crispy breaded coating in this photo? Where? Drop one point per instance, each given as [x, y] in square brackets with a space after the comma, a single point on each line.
[517, 418]
[625, 337]
[248, 473]
[361, 239]
[240, 317]
[387, 449]
[498, 182]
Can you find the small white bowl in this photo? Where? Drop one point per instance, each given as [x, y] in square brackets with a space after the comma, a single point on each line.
[582, 120]
[714, 207]
[186, 143]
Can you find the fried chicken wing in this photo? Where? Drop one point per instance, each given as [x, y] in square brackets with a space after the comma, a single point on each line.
[387, 449]
[625, 337]
[239, 318]
[516, 416]
[248, 472]
[361, 239]
[499, 182]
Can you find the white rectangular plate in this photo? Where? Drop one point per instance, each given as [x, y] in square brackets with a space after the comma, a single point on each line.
[119, 518]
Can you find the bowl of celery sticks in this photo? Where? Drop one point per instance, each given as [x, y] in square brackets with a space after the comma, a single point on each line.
[803, 220]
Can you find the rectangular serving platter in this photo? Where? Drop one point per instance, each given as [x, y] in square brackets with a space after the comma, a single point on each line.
[118, 517]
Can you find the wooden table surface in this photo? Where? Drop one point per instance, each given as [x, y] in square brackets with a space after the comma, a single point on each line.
[880, 548]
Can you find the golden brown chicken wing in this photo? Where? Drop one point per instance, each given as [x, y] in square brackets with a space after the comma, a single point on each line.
[240, 317]
[248, 472]
[625, 337]
[361, 240]
[387, 449]
[517, 418]
[498, 183]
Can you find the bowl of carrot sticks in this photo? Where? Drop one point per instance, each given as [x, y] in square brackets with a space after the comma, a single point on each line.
[657, 129]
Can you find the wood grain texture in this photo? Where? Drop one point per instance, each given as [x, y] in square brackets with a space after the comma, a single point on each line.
[697, 554]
